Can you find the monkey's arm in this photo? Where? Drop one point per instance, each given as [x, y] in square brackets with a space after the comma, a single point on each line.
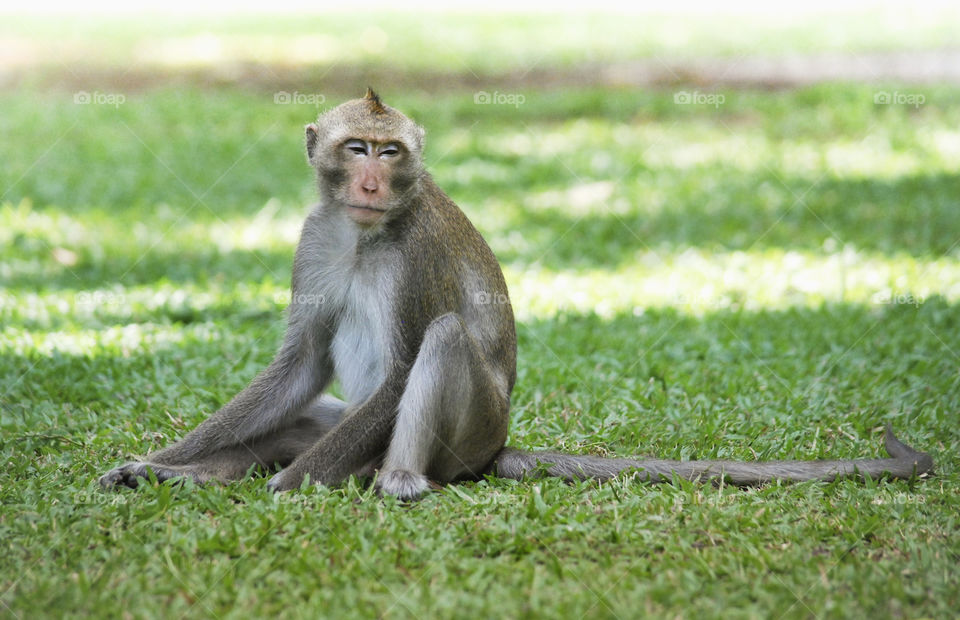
[300, 370]
[361, 436]
[281, 390]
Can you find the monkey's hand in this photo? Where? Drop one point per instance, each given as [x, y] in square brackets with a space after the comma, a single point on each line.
[129, 474]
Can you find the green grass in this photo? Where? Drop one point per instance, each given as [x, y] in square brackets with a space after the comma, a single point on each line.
[775, 277]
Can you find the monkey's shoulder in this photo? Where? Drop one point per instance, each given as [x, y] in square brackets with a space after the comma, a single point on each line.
[442, 228]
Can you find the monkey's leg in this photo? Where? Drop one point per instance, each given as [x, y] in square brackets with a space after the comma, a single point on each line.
[232, 463]
[452, 418]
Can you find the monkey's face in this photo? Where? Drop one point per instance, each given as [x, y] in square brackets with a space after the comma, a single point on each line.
[371, 167]
[368, 158]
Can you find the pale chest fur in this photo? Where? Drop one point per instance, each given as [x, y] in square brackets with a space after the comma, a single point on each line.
[359, 344]
[357, 296]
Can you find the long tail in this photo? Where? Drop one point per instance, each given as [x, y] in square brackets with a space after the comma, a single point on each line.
[905, 463]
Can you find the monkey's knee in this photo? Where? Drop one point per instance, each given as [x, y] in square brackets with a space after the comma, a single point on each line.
[402, 484]
[447, 351]
[444, 332]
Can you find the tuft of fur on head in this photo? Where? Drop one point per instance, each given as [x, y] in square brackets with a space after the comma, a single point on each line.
[376, 106]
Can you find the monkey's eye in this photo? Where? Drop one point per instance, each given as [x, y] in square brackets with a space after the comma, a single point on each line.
[357, 146]
[390, 150]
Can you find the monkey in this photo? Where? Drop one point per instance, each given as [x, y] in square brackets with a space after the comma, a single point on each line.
[397, 295]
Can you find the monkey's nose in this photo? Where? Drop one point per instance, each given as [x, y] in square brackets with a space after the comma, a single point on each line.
[367, 181]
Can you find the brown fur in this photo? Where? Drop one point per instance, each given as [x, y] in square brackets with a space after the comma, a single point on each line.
[376, 106]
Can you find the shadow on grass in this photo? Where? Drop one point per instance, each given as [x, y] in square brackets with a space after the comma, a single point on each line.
[917, 215]
[130, 266]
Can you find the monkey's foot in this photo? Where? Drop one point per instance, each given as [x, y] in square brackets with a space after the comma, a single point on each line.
[284, 480]
[128, 474]
[405, 485]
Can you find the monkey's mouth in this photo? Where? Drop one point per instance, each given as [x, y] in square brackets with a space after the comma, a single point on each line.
[365, 215]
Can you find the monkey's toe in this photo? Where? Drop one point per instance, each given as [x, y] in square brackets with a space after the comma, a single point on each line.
[281, 482]
[402, 484]
[113, 478]
[129, 474]
[123, 476]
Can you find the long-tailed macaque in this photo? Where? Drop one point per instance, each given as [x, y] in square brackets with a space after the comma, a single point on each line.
[396, 294]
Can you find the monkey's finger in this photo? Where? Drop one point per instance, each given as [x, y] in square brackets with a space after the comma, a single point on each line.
[111, 479]
[117, 477]
[130, 477]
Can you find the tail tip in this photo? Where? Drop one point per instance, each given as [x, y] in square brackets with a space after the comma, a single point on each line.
[923, 463]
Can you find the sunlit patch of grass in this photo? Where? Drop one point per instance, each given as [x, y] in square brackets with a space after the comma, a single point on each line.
[271, 227]
[120, 340]
[696, 281]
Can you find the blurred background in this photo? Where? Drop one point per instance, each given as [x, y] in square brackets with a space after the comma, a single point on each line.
[710, 158]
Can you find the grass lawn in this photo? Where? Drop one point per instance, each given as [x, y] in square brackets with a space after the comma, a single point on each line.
[774, 277]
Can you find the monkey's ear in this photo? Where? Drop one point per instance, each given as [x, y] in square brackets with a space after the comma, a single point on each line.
[313, 137]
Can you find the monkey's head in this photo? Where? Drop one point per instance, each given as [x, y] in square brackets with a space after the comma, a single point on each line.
[367, 156]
